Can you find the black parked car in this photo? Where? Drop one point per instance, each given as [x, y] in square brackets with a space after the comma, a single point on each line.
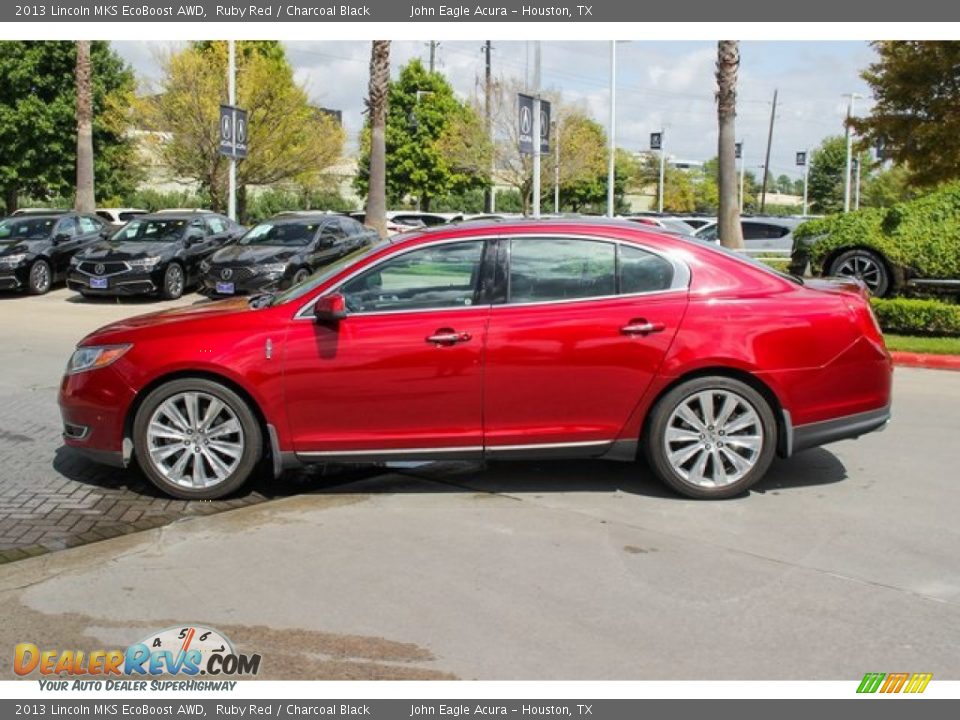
[35, 249]
[282, 252]
[152, 254]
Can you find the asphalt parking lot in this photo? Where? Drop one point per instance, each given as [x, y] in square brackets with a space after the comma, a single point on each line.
[844, 560]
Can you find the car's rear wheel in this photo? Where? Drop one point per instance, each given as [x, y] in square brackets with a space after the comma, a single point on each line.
[711, 437]
[173, 282]
[196, 439]
[863, 265]
[40, 279]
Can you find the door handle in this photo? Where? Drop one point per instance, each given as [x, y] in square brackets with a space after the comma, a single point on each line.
[447, 336]
[642, 327]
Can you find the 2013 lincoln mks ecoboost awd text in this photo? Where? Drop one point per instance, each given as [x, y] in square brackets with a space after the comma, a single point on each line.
[514, 339]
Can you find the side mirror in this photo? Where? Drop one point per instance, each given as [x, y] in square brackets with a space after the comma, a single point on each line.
[61, 237]
[193, 238]
[330, 309]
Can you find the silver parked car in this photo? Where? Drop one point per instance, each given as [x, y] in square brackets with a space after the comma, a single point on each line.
[763, 237]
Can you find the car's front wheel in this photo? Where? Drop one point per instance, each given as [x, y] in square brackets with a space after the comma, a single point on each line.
[40, 278]
[863, 265]
[299, 276]
[711, 437]
[174, 281]
[196, 439]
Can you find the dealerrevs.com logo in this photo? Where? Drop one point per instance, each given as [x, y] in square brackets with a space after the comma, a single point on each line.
[894, 683]
[176, 651]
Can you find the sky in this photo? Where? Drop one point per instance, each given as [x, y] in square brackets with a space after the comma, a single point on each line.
[668, 84]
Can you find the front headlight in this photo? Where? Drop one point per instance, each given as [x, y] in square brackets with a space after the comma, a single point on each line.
[12, 260]
[205, 266]
[145, 263]
[94, 357]
[273, 268]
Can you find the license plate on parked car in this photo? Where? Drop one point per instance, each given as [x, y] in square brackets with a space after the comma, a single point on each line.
[98, 283]
[225, 288]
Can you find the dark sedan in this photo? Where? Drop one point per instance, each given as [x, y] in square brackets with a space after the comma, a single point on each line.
[35, 249]
[156, 254]
[282, 252]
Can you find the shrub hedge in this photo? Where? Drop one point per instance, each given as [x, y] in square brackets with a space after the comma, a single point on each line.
[922, 235]
[912, 316]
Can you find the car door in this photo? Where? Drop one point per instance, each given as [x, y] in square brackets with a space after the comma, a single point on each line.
[66, 241]
[401, 375]
[763, 239]
[196, 246]
[218, 231]
[577, 336]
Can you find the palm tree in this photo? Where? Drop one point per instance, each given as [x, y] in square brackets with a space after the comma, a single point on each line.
[728, 219]
[376, 214]
[85, 196]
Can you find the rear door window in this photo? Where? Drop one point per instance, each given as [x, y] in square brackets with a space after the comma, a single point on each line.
[551, 269]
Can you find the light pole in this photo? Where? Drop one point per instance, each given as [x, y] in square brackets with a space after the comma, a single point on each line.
[663, 158]
[536, 129]
[556, 166]
[856, 192]
[612, 160]
[846, 181]
[232, 99]
[806, 178]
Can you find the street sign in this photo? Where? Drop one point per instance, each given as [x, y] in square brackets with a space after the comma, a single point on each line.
[738, 150]
[233, 131]
[656, 141]
[525, 124]
[801, 159]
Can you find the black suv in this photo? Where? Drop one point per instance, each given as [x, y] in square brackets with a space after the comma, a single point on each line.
[282, 252]
[35, 249]
[152, 254]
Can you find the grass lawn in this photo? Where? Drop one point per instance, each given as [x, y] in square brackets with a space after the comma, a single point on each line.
[914, 343]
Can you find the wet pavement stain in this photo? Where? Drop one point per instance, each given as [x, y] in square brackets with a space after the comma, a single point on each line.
[287, 653]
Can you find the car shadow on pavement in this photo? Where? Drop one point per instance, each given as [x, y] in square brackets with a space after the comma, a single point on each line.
[132, 300]
[810, 468]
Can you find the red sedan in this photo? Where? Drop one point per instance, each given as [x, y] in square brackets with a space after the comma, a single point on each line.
[549, 339]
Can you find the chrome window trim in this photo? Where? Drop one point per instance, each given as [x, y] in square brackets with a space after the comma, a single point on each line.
[680, 282]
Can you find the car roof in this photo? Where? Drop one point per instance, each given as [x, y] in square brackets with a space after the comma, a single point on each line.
[187, 215]
[43, 216]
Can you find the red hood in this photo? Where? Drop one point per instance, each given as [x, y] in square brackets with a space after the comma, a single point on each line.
[175, 315]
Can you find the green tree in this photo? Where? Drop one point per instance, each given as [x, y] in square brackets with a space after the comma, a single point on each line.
[828, 164]
[38, 128]
[916, 89]
[432, 140]
[288, 139]
[887, 187]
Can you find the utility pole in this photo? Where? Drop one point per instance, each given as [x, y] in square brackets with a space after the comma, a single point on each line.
[489, 199]
[536, 129]
[612, 160]
[232, 95]
[846, 178]
[663, 162]
[806, 177]
[766, 163]
[433, 54]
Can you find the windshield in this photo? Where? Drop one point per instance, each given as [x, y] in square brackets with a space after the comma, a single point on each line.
[315, 281]
[287, 234]
[152, 231]
[26, 228]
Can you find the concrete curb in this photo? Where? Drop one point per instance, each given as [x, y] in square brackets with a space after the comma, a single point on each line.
[923, 360]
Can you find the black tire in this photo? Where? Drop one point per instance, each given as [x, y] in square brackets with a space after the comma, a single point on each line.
[40, 279]
[251, 439]
[866, 265]
[299, 276]
[655, 438]
[174, 282]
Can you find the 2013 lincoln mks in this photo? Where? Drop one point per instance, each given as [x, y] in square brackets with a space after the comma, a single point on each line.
[517, 339]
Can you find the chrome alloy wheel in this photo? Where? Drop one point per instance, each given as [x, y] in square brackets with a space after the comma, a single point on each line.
[174, 280]
[195, 440]
[862, 267]
[713, 438]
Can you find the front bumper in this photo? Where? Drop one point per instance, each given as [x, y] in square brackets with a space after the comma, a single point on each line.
[212, 283]
[128, 283]
[14, 278]
[94, 406]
